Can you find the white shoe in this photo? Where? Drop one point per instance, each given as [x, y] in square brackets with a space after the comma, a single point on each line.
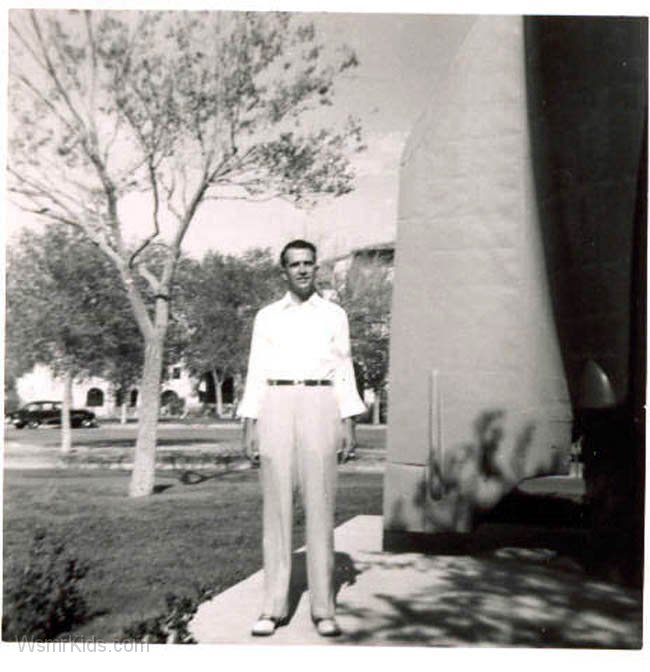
[327, 627]
[266, 625]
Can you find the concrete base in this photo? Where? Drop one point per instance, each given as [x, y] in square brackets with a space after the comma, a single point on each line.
[505, 597]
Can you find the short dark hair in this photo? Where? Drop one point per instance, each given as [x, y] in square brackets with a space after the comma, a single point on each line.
[297, 244]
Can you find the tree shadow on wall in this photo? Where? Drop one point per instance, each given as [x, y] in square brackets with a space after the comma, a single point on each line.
[474, 505]
[480, 472]
[475, 476]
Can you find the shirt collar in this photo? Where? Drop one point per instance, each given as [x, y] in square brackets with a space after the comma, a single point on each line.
[288, 301]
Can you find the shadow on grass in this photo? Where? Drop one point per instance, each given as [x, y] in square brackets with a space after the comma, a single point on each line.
[161, 487]
[189, 477]
[227, 466]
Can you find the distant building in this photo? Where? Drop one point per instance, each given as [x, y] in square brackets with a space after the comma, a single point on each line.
[179, 390]
[333, 271]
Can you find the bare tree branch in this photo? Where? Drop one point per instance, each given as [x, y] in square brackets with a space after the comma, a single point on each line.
[169, 197]
[51, 71]
[156, 224]
[151, 279]
[27, 83]
[27, 46]
[93, 72]
[249, 199]
[41, 191]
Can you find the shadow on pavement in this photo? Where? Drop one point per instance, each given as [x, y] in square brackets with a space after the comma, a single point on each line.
[510, 597]
[345, 574]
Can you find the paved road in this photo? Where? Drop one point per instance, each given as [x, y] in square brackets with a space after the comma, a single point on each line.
[167, 434]
[121, 434]
[112, 443]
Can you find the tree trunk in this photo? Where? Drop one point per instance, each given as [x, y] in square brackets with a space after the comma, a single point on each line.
[123, 412]
[237, 389]
[66, 433]
[218, 391]
[376, 408]
[144, 462]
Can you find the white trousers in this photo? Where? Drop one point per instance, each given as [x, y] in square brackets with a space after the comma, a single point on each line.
[298, 430]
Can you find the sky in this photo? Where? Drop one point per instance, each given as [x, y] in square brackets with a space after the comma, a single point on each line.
[400, 59]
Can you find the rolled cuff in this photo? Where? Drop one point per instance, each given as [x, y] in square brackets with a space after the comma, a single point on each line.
[351, 407]
[248, 408]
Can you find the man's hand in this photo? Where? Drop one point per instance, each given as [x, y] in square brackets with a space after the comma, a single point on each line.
[348, 441]
[250, 445]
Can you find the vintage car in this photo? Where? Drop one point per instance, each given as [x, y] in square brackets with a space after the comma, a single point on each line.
[38, 413]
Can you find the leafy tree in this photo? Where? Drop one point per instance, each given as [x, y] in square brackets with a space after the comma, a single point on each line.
[366, 296]
[221, 300]
[16, 362]
[67, 309]
[123, 351]
[136, 119]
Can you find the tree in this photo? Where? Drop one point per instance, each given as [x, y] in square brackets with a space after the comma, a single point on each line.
[221, 300]
[115, 115]
[66, 309]
[366, 296]
[122, 361]
[17, 361]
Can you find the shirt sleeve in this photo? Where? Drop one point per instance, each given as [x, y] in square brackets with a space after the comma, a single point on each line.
[255, 377]
[345, 385]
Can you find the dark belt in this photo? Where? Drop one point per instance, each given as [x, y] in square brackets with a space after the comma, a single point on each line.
[308, 382]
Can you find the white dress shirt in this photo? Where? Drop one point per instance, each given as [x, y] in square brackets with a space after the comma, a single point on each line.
[299, 341]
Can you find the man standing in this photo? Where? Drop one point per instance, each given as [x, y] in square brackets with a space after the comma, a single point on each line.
[298, 404]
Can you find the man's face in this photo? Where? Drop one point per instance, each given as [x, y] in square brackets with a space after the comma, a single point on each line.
[300, 272]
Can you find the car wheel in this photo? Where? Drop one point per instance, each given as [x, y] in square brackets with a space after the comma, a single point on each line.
[33, 424]
[88, 423]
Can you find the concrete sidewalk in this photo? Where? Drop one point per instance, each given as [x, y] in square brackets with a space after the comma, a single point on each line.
[509, 597]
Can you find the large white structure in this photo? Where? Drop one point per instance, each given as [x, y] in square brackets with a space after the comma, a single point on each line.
[475, 360]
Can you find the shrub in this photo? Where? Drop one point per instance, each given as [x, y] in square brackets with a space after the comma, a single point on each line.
[47, 599]
[171, 626]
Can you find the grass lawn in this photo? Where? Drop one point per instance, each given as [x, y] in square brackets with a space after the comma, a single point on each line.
[183, 537]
